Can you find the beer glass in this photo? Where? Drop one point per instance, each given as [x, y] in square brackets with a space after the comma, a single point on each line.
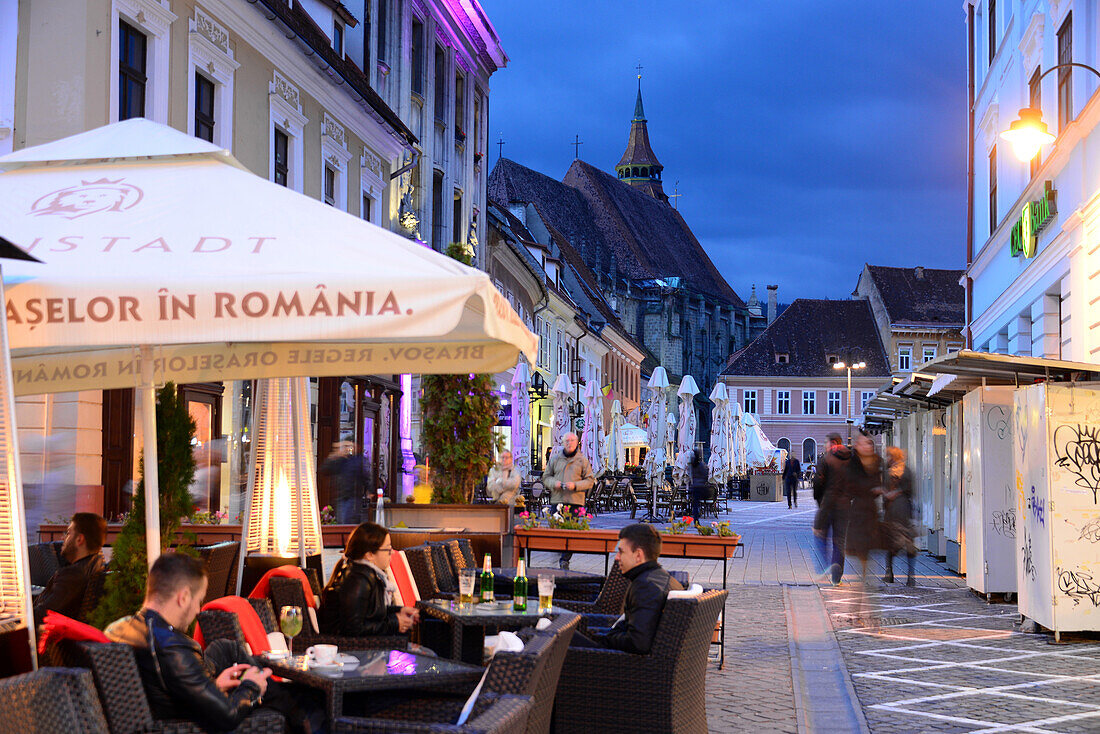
[546, 593]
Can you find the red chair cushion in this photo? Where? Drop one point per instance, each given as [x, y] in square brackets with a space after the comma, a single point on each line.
[57, 627]
[251, 626]
[292, 572]
[402, 576]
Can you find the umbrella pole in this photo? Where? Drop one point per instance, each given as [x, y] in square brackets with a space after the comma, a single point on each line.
[15, 485]
[151, 474]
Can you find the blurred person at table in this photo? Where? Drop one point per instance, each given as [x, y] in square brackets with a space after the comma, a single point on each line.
[503, 482]
[568, 476]
[830, 491]
[358, 599]
[898, 514]
[82, 552]
[217, 689]
[792, 472]
[637, 552]
[351, 476]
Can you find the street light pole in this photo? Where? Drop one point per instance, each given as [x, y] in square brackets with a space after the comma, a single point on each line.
[849, 368]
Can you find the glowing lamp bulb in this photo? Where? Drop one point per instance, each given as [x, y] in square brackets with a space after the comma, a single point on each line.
[1027, 134]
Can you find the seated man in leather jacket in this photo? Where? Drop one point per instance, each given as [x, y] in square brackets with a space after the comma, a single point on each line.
[82, 552]
[217, 691]
[637, 552]
[358, 599]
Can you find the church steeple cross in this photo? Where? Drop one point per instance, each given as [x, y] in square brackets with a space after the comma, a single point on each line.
[577, 143]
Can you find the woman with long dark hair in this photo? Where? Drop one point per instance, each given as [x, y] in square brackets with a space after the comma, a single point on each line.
[358, 599]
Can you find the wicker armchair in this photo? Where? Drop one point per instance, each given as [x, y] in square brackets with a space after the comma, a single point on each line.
[423, 569]
[467, 549]
[610, 599]
[220, 561]
[506, 715]
[52, 700]
[122, 696]
[288, 592]
[533, 673]
[44, 562]
[664, 691]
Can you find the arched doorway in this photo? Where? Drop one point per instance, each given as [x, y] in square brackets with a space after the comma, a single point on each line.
[809, 451]
[785, 444]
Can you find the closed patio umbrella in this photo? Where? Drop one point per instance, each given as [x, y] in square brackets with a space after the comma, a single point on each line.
[656, 413]
[591, 444]
[616, 451]
[721, 459]
[562, 425]
[740, 459]
[521, 419]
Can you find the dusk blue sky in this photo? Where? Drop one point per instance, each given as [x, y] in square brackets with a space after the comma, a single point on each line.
[808, 137]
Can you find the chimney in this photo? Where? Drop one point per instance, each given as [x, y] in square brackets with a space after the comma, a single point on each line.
[773, 302]
[919, 272]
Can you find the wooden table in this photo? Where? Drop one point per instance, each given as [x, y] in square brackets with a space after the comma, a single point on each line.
[688, 545]
[379, 670]
[475, 618]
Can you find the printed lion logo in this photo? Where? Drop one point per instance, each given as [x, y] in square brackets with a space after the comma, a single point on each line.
[90, 197]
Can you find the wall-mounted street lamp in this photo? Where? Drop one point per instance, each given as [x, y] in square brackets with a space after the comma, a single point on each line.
[1028, 133]
[849, 367]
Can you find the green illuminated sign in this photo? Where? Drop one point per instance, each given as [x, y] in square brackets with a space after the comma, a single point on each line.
[1034, 216]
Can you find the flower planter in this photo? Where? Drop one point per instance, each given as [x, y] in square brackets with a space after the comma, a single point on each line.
[691, 545]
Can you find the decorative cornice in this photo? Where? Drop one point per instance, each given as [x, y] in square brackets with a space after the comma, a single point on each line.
[1031, 45]
[370, 161]
[989, 126]
[334, 130]
[286, 90]
[211, 30]
[1058, 10]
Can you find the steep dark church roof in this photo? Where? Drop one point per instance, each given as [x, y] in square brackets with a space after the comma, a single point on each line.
[607, 222]
[921, 296]
[808, 331]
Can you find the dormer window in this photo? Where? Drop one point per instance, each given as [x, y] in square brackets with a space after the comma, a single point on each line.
[783, 358]
[832, 358]
[338, 38]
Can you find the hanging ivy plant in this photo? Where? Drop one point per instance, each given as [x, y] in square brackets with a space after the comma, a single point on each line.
[459, 413]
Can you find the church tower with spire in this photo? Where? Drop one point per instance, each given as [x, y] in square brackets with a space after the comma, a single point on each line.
[639, 166]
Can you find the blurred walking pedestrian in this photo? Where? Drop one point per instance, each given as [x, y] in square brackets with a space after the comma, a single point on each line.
[792, 472]
[898, 514]
[830, 492]
[700, 486]
[352, 478]
[865, 476]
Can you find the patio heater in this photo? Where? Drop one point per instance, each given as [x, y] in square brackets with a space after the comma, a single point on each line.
[281, 524]
[16, 612]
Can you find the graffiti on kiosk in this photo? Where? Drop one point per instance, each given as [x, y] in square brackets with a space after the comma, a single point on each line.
[1037, 506]
[1028, 560]
[1004, 522]
[1079, 586]
[997, 420]
[1077, 448]
[1090, 531]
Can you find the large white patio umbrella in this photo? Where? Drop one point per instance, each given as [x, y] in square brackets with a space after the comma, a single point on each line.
[616, 451]
[656, 412]
[591, 443]
[759, 451]
[521, 419]
[737, 418]
[721, 440]
[688, 426]
[165, 259]
[560, 393]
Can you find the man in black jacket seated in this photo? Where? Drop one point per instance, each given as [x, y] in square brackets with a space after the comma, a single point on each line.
[218, 690]
[82, 552]
[637, 552]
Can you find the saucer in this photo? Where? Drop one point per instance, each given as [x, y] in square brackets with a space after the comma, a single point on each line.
[314, 665]
[277, 654]
[345, 659]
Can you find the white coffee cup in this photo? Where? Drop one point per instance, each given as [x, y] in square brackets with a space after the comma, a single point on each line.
[322, 654]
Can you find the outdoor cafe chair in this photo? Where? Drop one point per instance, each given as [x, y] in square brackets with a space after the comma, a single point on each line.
[44, 562]
[532, 672]
[52, 700]
[288, 592]
[662, 691]
[122, 696]
[220, 561]
[610, 600]
[506, 715]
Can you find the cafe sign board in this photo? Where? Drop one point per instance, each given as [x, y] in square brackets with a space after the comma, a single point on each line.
[1034, 216]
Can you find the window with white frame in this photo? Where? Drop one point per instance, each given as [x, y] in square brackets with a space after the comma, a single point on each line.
[335, 156]
[211, 68]
[867, 396]
[954, 347]
[544, 342]
[928, 353]
[370, 185]
[905, 358]
[809, 402]
[783, 402]
[140, 36]
[834, 402]
[287, 145]
[748, 402]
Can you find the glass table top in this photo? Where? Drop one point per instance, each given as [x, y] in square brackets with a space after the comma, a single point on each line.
[492, 609]
[375, 664]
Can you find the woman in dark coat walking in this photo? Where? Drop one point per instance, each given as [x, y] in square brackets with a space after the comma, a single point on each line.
[898, 524]
[865, 485]
[792, 472]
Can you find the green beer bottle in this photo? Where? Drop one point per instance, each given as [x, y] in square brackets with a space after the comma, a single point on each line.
[487, 580]
[519, 588]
